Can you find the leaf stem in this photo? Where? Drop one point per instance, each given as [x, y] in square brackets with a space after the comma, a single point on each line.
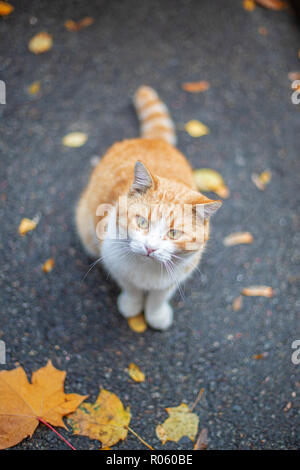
[142, 440]
[54, 430]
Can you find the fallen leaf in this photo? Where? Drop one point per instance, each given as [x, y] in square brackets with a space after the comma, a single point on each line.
[48, 265]
[105, 420]
[260, 356]
[74, 139]
[257, 291]
[34, 88]
[249, 5]
[135, 373]
[294, 76]
[137, 323]
[287, 407]
[196, 129]
[238, 238]
[27, 225]
[196, 87]
[22, 403]
[272, 4]
[263, 31]
[6, 9]
[202, 441]
[40, 43]
[237, 303]
[210, 180]
[181, 422]
[76, 26]
[261, 180]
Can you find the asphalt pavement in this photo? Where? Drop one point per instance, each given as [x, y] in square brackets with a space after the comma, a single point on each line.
[242, 358]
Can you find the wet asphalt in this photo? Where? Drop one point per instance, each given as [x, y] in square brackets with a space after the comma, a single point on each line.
[87, 81]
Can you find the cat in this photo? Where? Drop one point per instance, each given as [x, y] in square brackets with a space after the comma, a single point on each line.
[130, 215]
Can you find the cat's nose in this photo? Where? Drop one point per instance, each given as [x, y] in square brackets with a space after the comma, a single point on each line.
[150, 250]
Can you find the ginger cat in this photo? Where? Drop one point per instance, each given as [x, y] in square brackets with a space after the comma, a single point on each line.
[142, 216]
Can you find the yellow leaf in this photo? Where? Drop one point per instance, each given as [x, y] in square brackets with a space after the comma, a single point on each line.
[48, 265]
[210, 180]
[249, 5]
[22, 403]
[137, 323]
[40, 43]
[135, 373]
[261, 180]
[196, 129]
[181, 422]
[105, 420]
[237, 303]
[34, 88]
[6, 9]
[74, 139]
[253, 291]
[238, 238]
[26, 225]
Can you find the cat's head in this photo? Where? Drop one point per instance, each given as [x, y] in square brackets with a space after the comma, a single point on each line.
[165, 220]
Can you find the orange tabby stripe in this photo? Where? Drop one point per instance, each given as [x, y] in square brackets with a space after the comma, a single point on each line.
[154, 117]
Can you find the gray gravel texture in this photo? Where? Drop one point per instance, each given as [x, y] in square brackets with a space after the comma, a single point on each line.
[87, 81]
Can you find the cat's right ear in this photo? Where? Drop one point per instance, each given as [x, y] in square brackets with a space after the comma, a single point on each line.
[143, 179]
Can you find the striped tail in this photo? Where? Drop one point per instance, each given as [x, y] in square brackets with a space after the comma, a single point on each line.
[154, 117]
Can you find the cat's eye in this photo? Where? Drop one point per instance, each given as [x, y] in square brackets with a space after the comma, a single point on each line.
[174, 234]
[142, 222]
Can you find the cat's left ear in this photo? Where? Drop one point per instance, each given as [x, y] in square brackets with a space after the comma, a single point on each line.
[143, 180]
[206, 207]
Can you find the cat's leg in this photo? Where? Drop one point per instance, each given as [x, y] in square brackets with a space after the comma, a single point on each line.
[158, 312]
[131, 300]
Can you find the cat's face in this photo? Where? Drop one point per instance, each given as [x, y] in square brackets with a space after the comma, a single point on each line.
[164, 220]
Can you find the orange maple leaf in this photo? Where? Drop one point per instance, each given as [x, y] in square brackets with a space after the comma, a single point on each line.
[22, 403]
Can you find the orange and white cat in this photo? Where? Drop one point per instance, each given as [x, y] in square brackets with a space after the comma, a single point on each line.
[142, 216]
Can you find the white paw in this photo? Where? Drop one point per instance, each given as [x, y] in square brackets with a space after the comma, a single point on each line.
[129, 305]
[160, 319]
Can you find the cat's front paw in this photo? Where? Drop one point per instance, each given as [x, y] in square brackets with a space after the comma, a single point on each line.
[160, 319]
[129, 305]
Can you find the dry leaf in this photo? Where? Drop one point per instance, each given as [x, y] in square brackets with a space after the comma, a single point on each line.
[202, 441]
[263, 31]
[196, 87]
[48, 265]
[272, 4]
[261, 180]
[196, 129]
[238, 238]
[249, 5]
[287, 407]
[76, 26]
[181, 422]
[260, 356]
[34, 88]
[74, 139]
[237, 303]
[27, 225]
[6, 9]
[105, 420]
[137, 323]
[22, 403]
[210, 180]
[135, 373]
[294, 76]
[257, 291]
[40, 43]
